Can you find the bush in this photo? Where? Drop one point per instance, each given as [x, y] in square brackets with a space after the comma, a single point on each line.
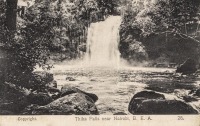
[22, 49]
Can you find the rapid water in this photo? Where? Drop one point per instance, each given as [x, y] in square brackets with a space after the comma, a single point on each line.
[102, 43]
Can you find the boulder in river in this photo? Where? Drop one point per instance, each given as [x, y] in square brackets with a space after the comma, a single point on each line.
[188, 67]
[143, 103]
[73, 104]
[70, 79]
[66, 90]
[157, 106]
[149, 95]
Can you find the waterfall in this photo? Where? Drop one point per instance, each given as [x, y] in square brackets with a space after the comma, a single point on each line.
[102, 43]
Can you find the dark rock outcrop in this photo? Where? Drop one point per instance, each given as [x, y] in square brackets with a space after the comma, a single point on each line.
[66, 90]
[70, 79]
[188, 67]
[149, 95]
[39, 98]
[189, 98]
[154, 103]
[176, 49]
[155, 106]
[73, 104]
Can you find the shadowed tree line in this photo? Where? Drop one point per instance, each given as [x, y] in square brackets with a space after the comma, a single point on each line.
[161, 30]
[158, 30]
[48, 30]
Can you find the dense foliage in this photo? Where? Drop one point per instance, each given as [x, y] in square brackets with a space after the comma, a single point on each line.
[154, 30]
[165, 28]
[68, 20]
[49, 27]
[20, 51]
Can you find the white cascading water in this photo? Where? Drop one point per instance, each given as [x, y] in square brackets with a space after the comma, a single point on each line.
[102, 43]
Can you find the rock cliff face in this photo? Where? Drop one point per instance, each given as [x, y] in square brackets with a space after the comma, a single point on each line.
[188, 67]
[158, 48]
[174, 48]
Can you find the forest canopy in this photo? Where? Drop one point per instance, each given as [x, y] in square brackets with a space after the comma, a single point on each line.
[57, 30]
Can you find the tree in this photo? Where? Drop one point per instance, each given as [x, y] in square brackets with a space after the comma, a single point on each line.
[11, 14]
[8, 17]
[167, 26]
[171, 15]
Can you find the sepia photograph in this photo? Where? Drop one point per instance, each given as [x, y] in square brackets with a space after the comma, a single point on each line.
[119, 58]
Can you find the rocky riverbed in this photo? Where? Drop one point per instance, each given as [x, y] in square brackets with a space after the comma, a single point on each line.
[115, 87]
[78, 90]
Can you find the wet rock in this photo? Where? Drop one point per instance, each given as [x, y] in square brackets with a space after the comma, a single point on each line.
[73, 104]
[188, 67]
[149, 102]
[66, 90]
[149, 95]
[158, 106]
[70, 79]
[181, 92]
[39, 98]
[189, 99]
